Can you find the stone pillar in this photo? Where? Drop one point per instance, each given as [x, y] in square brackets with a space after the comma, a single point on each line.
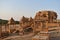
[9, 29]
[6, 28]
[14, 26]
[46, 26]
[34, 29]
[41, 26]
[21, 29]
[0, 30]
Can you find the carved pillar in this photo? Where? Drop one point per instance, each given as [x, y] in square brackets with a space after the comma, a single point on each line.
[46, 26]
[34, 29]
[0, 30]
[21, 29]
[41, 26]
[8, 28]
[11, 27]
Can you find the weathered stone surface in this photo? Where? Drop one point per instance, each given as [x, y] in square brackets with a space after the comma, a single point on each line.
[44, 21]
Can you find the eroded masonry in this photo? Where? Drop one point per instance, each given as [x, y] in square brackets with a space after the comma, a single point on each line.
[44, 23]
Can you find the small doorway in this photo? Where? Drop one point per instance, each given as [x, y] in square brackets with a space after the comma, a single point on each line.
[28, 30]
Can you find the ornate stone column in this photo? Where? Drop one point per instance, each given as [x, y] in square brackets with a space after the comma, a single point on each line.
[0, 30]
[11, 25]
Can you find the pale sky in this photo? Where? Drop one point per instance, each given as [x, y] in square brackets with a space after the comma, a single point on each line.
[27, 8]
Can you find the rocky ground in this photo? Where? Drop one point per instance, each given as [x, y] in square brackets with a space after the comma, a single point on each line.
[55, 38]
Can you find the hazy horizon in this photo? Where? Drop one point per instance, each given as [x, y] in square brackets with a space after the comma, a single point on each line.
[27, 8]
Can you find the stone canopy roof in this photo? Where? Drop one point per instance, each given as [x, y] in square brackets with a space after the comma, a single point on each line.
[46, 15]
[11, 21]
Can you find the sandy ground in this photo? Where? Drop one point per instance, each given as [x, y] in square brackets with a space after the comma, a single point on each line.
[18, 37]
